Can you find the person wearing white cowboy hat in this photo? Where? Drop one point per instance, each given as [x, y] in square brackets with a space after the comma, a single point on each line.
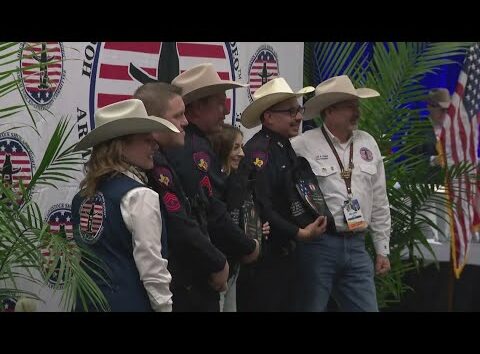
[349, 167]
[116, 217]
[199, 269]
[269, 160]
[203, 92]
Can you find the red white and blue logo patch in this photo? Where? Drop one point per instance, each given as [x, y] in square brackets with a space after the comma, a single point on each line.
[92, 216]
[366, 154]
[119, 68]
[202, 160]
[8, 305]
[263, 67]
[59, 217]
[16, 161]
[42, 73]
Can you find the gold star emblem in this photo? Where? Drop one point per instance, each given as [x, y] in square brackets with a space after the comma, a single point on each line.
[164, 180]
[203, 164]
[258, 162]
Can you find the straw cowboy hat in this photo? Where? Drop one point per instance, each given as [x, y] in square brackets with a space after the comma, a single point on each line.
[202, 81]
[122, 118]
[439, 97]
[271, 93]
[334, 90]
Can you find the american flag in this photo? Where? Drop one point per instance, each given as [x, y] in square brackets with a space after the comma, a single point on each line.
[459, 138]
[264, 68]
[91, 217]
[42, 82]
[114, 82]
[15, 162]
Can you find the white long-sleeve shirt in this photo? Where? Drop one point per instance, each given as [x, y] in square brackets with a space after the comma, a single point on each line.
[368, 179]
[140, 210]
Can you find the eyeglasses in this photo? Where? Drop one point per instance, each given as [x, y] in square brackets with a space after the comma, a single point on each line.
[292, 111]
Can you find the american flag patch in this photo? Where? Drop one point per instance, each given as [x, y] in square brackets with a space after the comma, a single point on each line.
[92, 215]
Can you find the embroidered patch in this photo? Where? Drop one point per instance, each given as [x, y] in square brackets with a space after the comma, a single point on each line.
[366, 154]
[259, 159]
[202, 160]
[92, 216]
[205, 182]
[163, 176]
[171, 202]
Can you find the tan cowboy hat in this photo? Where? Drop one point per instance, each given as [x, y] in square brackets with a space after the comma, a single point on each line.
[333, 90]
[267, 95]
[440, 97]
[202, 81]
[122, 118]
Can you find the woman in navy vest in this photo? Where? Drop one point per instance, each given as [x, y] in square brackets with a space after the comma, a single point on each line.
[116, 217]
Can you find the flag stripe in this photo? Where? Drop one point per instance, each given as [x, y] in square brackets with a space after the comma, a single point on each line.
[140, 47]
[200, 50]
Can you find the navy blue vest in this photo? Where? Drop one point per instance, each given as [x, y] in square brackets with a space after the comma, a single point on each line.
[98, 225]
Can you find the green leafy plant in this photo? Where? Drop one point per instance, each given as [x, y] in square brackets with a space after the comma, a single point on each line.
[29, 250]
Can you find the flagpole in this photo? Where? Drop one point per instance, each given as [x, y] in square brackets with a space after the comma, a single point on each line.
[451, 285]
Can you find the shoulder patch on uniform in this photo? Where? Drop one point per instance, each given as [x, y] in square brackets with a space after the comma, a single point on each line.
[163, 176]
[259, 159]
[366, 154]
[171, 202]
[205, 182]
[202, 160]
[92, 216]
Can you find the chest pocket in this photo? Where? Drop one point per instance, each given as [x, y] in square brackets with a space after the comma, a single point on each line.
[324, 170]
[370, 170]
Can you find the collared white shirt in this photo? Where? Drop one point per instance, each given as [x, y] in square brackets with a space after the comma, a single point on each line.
[140, 209]
[368, 179]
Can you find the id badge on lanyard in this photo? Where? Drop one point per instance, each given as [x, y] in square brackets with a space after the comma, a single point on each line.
[353, 214]
[351, 207]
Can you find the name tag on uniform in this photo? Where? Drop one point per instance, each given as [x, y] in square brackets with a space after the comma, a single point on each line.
[353, 215]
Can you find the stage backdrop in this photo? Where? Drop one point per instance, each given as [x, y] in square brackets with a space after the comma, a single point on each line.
[74, 79]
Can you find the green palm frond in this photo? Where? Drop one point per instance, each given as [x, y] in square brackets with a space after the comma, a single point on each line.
[57, 160]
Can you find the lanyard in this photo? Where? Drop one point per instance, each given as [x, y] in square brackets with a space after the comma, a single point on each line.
[346, 174]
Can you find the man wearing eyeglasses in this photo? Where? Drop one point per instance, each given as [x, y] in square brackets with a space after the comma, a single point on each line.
[270, 161]
[350, 171]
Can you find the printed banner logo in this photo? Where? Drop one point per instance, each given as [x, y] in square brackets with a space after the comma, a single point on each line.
[16, 161]
[262, 68]
[59, 217]
[119, 68]
[42, 73]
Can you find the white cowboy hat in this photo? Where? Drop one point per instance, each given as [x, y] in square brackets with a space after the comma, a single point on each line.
[440, 97]
[267, 95]
[202, 81]
[122, 118]
[334, 90]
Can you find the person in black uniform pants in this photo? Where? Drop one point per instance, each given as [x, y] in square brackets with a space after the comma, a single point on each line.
[270, 160]
[199, 270]
[196, 165]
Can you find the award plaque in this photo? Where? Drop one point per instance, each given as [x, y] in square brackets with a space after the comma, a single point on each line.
[311, 196]
[252, 224]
